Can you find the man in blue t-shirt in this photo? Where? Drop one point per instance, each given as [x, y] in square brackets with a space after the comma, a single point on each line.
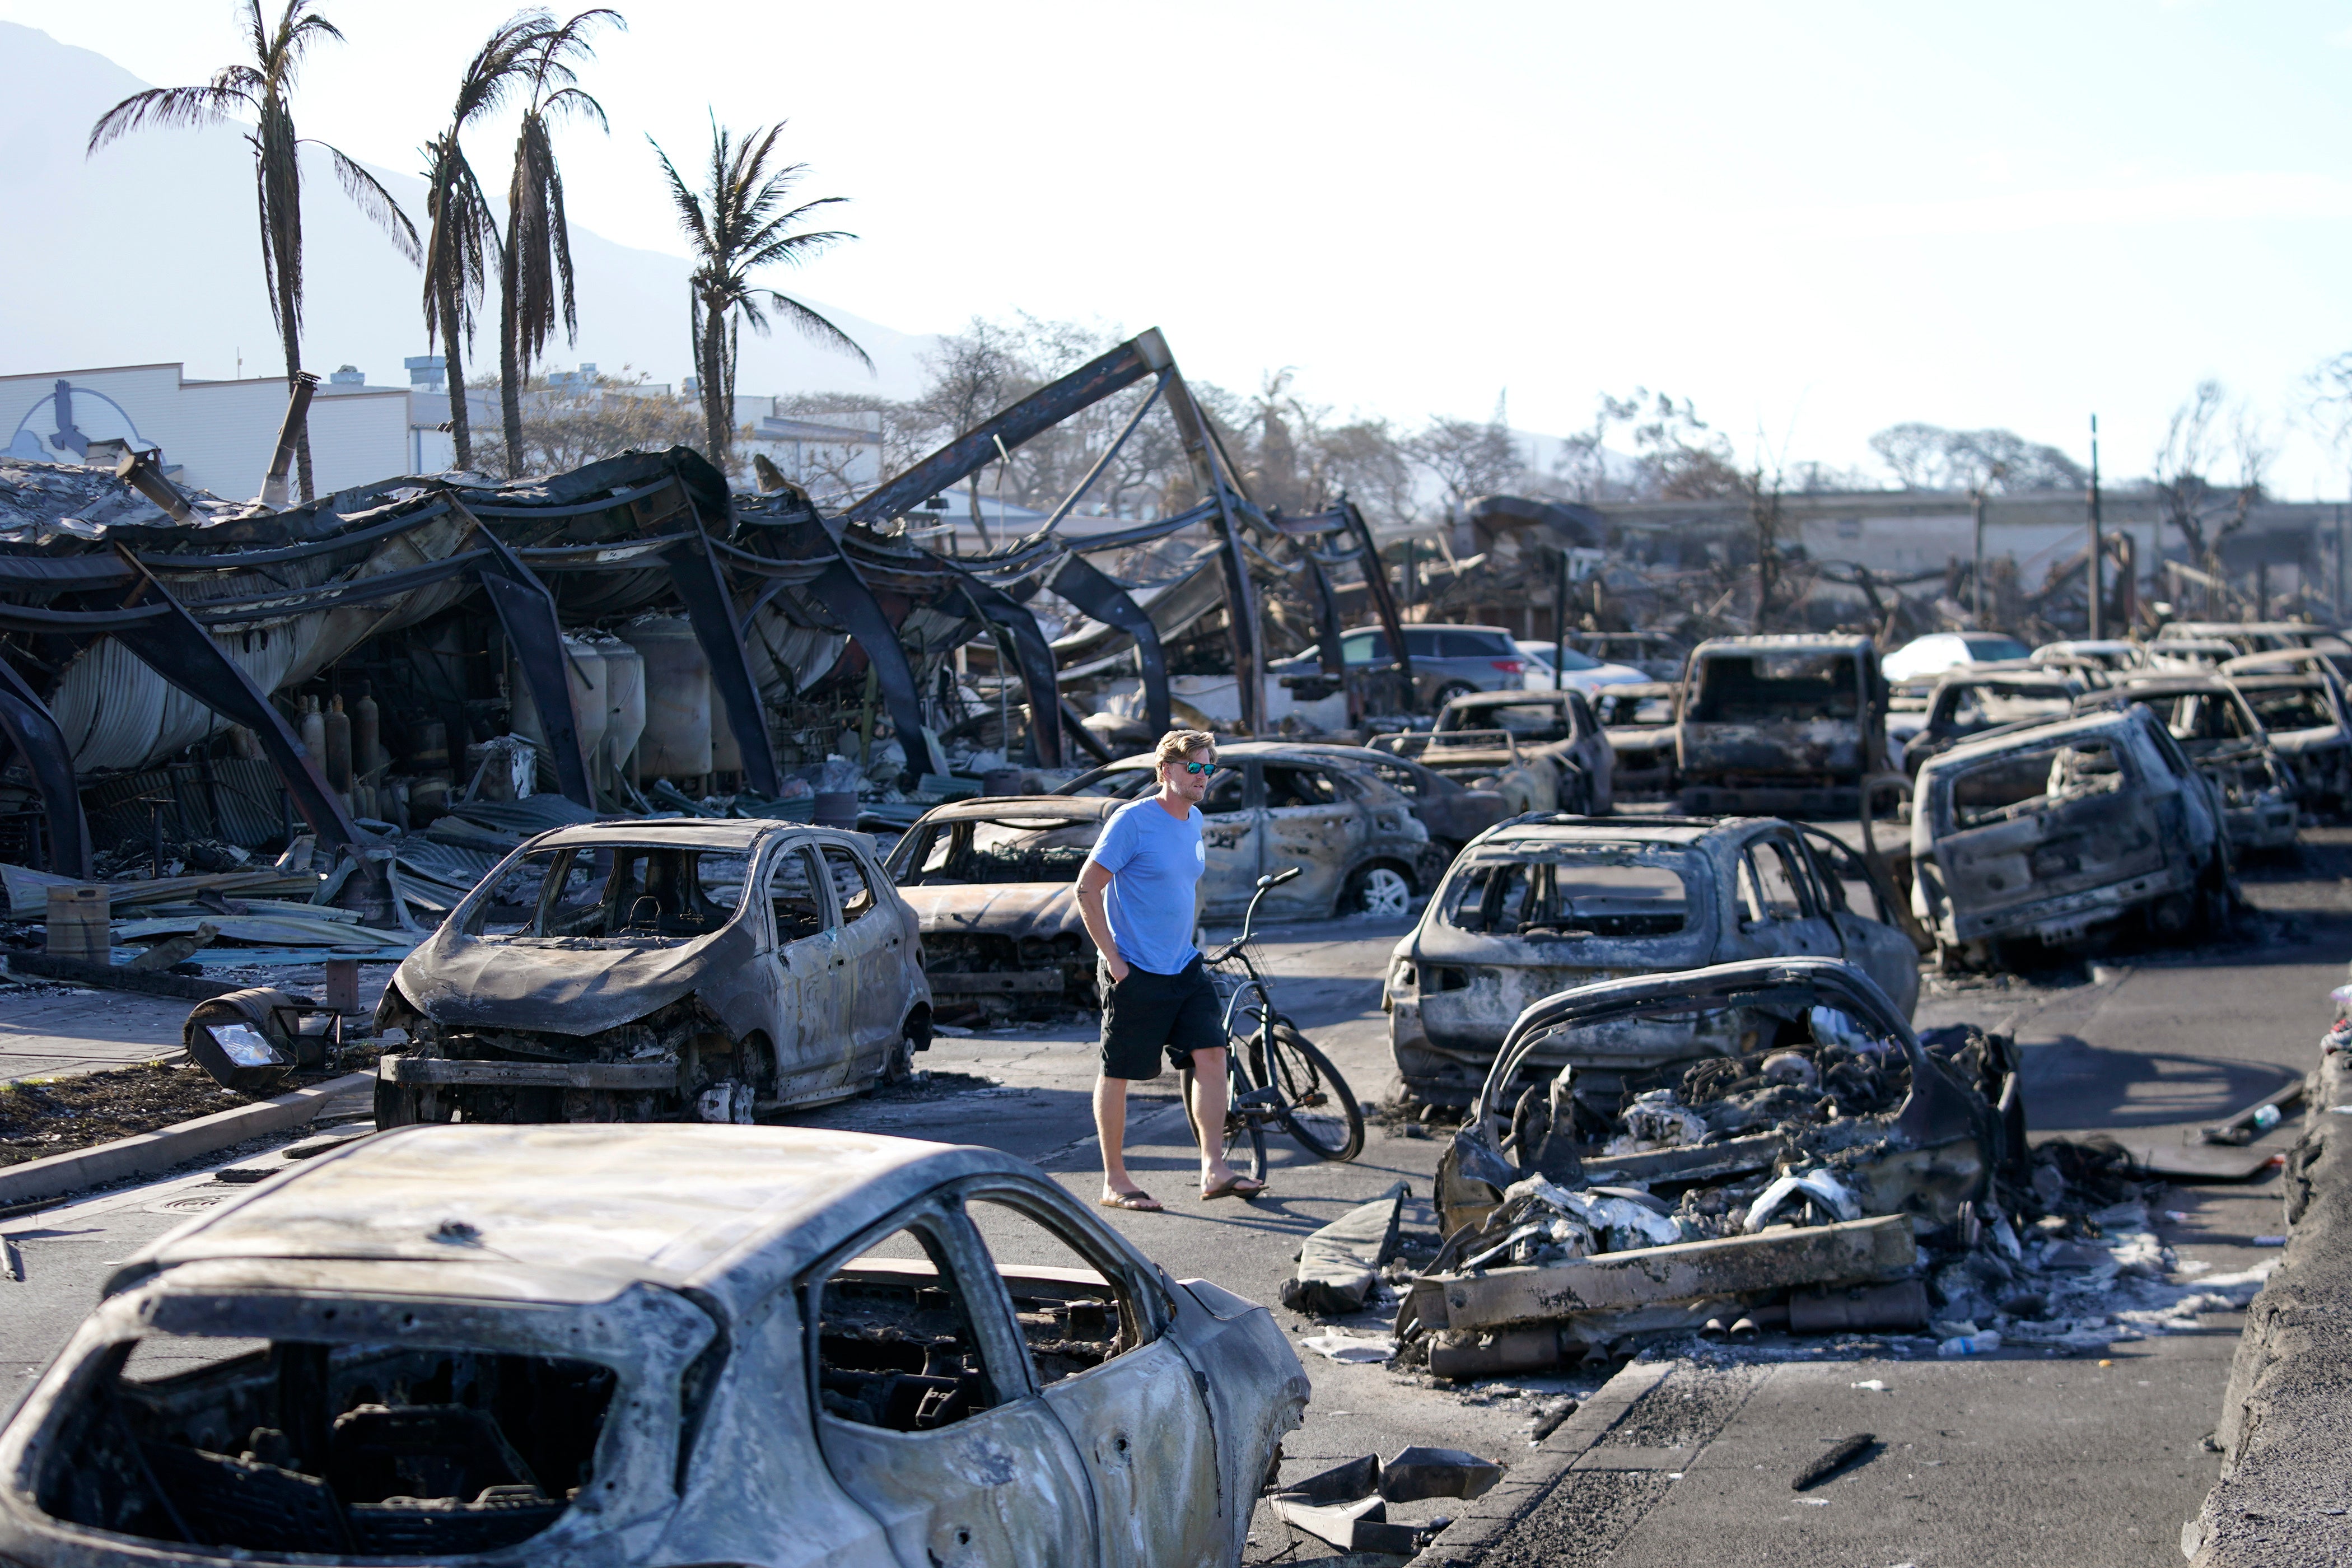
[1155, 994]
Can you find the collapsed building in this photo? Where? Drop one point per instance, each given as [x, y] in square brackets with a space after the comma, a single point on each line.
[630, 636]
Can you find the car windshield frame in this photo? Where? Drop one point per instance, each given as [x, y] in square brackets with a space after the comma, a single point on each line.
[557, 864]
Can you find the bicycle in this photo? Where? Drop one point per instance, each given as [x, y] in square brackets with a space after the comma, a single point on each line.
[1275, 1073]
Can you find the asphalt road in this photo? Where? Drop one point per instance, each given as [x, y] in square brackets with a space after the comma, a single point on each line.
[2024, 1458]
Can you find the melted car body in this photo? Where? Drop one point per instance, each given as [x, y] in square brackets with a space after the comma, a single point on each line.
[1541, 905]
[659, 970]
[652, 1345]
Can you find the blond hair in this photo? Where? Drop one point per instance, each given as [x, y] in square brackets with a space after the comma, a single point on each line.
[1176, 742]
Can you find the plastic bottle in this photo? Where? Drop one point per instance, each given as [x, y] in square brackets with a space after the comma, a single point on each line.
[1983, 1343]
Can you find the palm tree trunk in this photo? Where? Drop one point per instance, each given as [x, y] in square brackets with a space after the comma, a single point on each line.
[461, 431]
[303, 433]
[708, 363]
[509, 355]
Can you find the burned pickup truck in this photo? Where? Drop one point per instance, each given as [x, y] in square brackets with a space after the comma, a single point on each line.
[649, 1345]
[640, 971]
[1789, 725]
[1558, 725]
[1805, 1141]
[2052, 832]
[1539, 905]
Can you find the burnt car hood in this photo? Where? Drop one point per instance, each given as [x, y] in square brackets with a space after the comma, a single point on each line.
[582, 990]
[997, 909]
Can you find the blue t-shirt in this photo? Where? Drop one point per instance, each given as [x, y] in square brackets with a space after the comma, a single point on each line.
[1154, 860]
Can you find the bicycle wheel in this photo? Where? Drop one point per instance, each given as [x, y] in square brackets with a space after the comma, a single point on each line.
[1244, 1141]
[1318, 1108]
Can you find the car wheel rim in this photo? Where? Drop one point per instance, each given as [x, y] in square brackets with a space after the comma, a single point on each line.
[1386, 893]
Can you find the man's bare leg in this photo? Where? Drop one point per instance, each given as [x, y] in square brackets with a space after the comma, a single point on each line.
[1110, 1129]
[1209, 1118]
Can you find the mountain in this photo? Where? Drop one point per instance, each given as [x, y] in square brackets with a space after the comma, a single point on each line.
[148, 252]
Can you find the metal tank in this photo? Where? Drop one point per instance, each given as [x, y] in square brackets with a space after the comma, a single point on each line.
[624, 702]
[584, 675]
[676, 740]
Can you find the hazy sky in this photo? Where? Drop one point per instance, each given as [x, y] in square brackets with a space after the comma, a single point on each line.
[1814, 219]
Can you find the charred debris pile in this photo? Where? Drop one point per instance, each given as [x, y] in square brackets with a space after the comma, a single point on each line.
[1832, 1173]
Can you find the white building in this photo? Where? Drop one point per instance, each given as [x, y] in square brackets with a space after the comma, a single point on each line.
[216, 435]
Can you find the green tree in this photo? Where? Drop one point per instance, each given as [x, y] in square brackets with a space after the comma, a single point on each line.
[535, 265]
[263, 88]
[737, 225]
[461, 248]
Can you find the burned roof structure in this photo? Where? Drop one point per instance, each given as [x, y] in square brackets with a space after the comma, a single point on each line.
[137, 620]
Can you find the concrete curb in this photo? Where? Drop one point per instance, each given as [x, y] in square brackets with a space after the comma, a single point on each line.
[146, 1153]
[1523, 1485]
[2286, 1420]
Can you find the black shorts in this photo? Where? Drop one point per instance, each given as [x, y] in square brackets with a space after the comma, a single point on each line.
[1147, 1012]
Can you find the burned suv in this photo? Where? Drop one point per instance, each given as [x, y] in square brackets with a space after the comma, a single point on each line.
[659, 971]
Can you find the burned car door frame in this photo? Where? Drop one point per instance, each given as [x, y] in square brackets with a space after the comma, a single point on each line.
[1004, 1481]
[1117, 1454]
[810, 976]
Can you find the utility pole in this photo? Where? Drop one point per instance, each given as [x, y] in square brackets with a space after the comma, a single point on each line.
[1976, 581]
[2098, 576]
[1560, 626]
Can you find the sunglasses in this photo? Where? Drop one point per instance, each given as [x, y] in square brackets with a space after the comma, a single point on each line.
[1201, 768]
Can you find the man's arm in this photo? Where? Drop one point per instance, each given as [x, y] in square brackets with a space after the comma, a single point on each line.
[1093, 879]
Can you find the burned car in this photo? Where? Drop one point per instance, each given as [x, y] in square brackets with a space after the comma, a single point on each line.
[2051, 832]
[1786, 724]
[652, 1345]
[1640, 723]
[1595, 1193]
[1271, 807]
[1557, 725]
[697, 970]
[1539, 750]
[2300, 704]
[1541, 905]
[2219, 731]
[1453, 812]
[1972, 699]
[993, 884]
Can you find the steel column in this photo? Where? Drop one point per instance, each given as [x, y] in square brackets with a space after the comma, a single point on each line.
[1084, 585]
[33, 730]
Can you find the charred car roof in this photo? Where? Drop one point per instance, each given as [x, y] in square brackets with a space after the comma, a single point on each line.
[1043, 807]
[683, 833]
[1530, 832]
[2032, 734]
[521, 1210]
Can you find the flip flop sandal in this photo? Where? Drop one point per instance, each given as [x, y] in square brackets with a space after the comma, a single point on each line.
[1136, 1202]
[1239, 1187]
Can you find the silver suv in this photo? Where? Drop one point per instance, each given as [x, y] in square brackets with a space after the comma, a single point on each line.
[1447, 661]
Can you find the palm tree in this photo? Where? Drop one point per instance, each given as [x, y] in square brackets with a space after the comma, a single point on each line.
[737, 226]
[462, 246]
[535, 267]
[263, 88]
